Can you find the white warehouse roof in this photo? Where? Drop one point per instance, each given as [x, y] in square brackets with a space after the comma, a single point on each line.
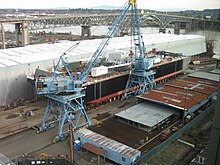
[188, 45]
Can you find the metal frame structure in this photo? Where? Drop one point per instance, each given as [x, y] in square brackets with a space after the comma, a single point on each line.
[65, 101]
[140, 75]
[65, 92]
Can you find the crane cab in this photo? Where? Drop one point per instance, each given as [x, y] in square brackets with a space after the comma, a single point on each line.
[61, 84]
[143, 64]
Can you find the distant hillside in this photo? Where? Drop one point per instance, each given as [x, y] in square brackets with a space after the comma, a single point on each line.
[206, 11]
[211, 11]
[106, 7]
[214, 13]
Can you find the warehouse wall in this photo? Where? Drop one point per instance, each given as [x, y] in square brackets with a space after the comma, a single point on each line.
[14, 84]
[187, 47]
[186, 62]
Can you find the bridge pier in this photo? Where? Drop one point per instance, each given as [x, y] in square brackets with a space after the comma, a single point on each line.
[86, 31]
[25, 32]
[177, 28]
[3, 36]
[188, 26]
[21, 30]
[18, 33]
[162, 30]
[194, 25]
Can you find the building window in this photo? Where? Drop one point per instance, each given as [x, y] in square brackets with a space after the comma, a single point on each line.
[123, 159]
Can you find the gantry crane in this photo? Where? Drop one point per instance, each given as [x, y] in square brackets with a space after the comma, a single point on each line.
[65, 92]
[140, 75]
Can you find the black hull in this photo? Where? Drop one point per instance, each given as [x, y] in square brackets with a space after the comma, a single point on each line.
[105, 88]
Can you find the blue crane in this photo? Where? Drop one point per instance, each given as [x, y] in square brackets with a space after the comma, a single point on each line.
[140, 75]
[65, 92]
[65, 103]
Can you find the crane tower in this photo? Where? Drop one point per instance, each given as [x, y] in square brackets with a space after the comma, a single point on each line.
[140, 75]
[65, 92]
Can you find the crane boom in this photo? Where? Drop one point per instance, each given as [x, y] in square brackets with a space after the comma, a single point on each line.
[105, 42]
[138, 41]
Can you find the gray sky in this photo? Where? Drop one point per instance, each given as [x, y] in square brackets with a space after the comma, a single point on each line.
[146, 4]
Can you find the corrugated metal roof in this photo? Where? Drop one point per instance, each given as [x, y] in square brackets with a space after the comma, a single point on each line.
[200, 87]
[174, 97]
[205, 82]
[205, 75]
[186, 44]
[216, 71]
[106, 142]
[92, 148]
[146, 113]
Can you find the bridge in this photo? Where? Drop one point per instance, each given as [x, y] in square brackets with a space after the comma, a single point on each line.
[24, 25]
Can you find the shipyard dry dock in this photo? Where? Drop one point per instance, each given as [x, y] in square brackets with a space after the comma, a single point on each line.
[17, 63]
[145, 126]
[134, 131]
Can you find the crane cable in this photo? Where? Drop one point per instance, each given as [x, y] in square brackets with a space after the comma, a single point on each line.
[71, 48]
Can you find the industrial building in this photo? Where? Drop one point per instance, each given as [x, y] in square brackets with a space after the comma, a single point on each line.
[113, 150]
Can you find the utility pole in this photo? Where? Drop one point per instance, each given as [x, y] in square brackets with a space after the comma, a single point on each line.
[71, 143]
[185, 107]
[214, 146]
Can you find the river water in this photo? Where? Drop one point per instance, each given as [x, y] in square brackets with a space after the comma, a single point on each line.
[101, 30]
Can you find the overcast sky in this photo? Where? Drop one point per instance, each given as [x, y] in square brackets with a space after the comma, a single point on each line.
[146, 4]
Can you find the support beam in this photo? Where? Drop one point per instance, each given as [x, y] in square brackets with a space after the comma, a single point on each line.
[86, 31]
[3, 36]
